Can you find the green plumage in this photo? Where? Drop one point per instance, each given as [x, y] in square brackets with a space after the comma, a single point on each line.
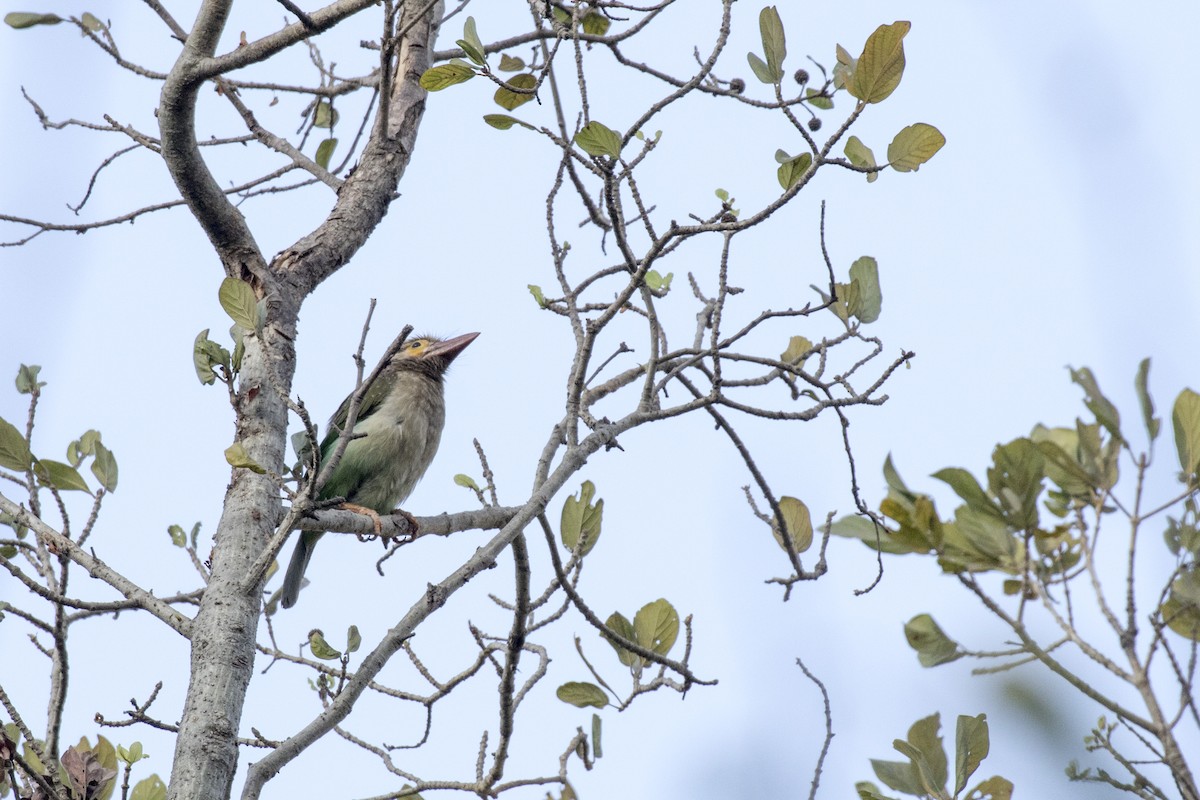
[400, 424]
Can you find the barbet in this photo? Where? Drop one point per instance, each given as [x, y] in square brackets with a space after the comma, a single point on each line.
[398, 429]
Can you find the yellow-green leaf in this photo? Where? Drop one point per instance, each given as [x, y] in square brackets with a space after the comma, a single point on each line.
[595, 23]
[656, 626]
[27, 19]
[503, 122]
[581, 695]
[437, 78]
[466, 481]
[861, 156]
[792, 169]
[58, 475]
[237, 456]
[511, 64]
[581, 519]
[913, 146]
[797, 349]
[325, 152]
[27, 379]
[618, 624]
[798, 521]
[881, 64]
[597, 139]
[864, 300]
[508, 99]
[151, 788]
[240, 303]
[933, 646]
[325, 116]
[104, 467]
[536, 291]
[14, 450]
[320, 648]
[1185, 417]
[774, 45]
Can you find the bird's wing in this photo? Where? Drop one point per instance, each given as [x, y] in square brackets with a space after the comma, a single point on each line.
[370, 404]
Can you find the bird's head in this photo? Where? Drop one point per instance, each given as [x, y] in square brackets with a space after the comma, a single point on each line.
[430, 355]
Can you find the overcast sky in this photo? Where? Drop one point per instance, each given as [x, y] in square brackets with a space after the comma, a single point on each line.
[1057, 227]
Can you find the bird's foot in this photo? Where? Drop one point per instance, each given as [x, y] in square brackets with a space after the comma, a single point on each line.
[414, 526]
[370, 512]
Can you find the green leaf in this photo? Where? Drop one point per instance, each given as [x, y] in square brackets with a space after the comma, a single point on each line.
[236, 455]
[970, 748]
[1185, 418]
[91, 22]
[965, 486]
[798, 521]
[860, 155]
[151, 788]
[1106, 413]
[761, 70]
[865, 299]
[994, 788]
[536, 291]
[320, 648]
[178, 537]
[595, 24]
[201, 361]
[510, 64]
[503, 122]
[442, 76]
[597, 139]
[1141, 383]
[58, 475]
[818, 99]
[27, 378]
[27, 19]
[792, 169]
[14, 450]
[104, 467]
[466, 481]
[106, 754]
[797, 350]
[774, 46]
[471, 43]
[932, 645]
[618, 624]
[353, 639]
[508, 99]
[843, 70]
[582, 695]
[240, 303]
[869, 791]
[324, 115]
[913, 146]
[656, 282]
[656, 626]
[581, 518]
[926, 751]
[899, 775]
[881, 64]
[325, 152]
[596, 736]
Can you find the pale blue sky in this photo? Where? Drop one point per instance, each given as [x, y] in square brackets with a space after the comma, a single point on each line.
[1057, 226]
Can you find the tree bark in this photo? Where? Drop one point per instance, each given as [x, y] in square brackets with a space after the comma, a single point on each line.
[225, 627]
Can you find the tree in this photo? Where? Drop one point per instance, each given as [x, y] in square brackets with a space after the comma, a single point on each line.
[1071, 584]
[715, 358]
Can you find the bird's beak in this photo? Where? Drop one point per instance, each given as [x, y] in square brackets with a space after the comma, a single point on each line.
[450, 348]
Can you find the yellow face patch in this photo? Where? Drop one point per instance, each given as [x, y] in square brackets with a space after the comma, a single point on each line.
[415, 348]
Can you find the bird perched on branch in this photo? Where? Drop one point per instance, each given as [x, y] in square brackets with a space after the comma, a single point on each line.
[398, 428]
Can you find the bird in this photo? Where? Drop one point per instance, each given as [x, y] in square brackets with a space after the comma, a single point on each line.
[398, 429]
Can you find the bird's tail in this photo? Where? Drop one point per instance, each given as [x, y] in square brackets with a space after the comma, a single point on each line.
[296, 567]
